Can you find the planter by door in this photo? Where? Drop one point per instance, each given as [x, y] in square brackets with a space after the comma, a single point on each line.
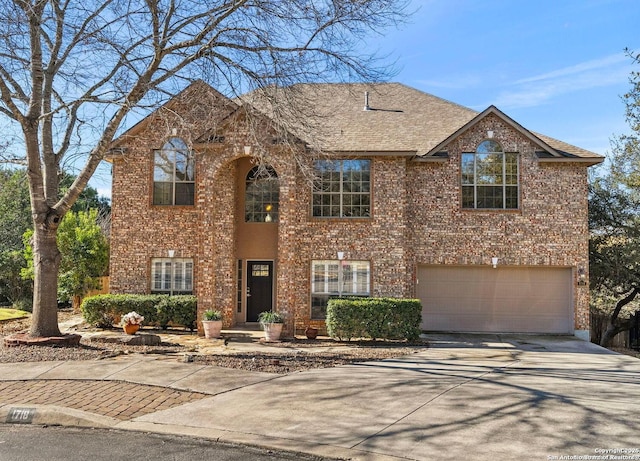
[130, 328]
[311, 332]
[272, 331]
[212, 328]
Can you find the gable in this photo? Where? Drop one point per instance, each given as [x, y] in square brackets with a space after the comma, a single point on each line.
[196, 110]
[547, 149]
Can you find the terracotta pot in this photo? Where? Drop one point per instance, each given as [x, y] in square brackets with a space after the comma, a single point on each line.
[212, 328]
[272, 331]
[311, 332]
[130, 328]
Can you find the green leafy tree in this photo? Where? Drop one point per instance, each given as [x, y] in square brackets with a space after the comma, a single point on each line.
[614, 254]
[15, 220]
[89, 198]
[85, 254]
[15, 210]
[625, 154]
[14, 288]
[614, 218]
[72, 73]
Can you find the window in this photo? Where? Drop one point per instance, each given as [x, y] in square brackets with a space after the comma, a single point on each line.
[342, 189]
[490, 178]
[172, 275]
[260, 270]
[262, 195]
[239, 286]
[173, 174]
[332, 279]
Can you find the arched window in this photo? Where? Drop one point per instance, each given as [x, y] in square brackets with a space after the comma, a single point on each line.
[262, 195]
[489, 177]
[173, 174]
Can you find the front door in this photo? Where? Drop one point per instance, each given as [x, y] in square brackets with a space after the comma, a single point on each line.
[259, 288]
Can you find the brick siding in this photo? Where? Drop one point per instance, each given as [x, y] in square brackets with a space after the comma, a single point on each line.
[416, 219]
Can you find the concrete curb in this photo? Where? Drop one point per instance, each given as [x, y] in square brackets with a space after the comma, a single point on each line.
[259, 440]
[52, 415]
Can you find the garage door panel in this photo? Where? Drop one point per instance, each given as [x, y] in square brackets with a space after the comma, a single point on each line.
[505, 299]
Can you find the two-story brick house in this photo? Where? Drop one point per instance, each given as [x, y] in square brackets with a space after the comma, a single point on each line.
[413, 196]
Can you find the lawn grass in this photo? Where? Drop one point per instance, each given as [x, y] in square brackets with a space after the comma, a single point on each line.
[10, 314]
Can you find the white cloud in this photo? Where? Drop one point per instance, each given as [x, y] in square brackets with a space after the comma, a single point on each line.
[608, 61]
[543, 88]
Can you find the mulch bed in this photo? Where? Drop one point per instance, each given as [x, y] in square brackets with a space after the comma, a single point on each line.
[283, 357]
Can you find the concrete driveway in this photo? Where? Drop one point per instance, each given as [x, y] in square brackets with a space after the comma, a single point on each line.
[476, 397]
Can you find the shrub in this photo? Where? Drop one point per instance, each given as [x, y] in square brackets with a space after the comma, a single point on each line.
[23, 304]
[181, 310]
[145, 305]
[103, 311]
[99, 311]
[376, 318]
[344, 319]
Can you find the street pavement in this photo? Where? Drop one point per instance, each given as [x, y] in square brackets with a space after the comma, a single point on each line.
[476, 397]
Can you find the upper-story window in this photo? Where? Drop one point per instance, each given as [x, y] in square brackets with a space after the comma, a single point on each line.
[173, 174]
[262, 195]
[342, 189]
[490, 178]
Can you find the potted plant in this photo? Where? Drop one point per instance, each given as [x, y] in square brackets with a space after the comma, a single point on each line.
[212, 323]
[131, 322]
[272, 323]
[311, 332]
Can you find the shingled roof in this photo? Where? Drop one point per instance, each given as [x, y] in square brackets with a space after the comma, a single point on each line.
[397, 119]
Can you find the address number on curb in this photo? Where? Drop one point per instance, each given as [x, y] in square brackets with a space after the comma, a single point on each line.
[21, 415]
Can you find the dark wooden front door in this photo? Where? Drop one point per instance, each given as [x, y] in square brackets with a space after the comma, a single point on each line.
[259, 288]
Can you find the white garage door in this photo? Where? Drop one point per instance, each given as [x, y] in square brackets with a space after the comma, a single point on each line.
[505, 299]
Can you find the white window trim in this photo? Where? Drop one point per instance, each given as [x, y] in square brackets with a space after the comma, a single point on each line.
[332, 281]
[170, 275]
[357, 267]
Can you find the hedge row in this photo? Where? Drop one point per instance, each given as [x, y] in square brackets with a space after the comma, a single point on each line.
[160, 310]
[376, 318]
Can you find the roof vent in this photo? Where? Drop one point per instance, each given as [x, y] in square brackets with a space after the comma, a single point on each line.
[366, 101]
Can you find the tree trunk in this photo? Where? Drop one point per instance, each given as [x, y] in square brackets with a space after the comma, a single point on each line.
[613, 326]
[46, 255]
[608, 335]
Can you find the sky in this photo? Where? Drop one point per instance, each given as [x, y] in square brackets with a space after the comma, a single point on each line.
[557, 67]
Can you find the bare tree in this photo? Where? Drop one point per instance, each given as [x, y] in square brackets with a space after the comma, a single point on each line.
[74, 73]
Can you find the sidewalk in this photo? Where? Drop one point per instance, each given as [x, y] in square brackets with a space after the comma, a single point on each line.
[120, 392]
[117, 392]
[468, 397]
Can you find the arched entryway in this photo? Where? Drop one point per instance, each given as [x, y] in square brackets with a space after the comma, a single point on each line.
[257, 189]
